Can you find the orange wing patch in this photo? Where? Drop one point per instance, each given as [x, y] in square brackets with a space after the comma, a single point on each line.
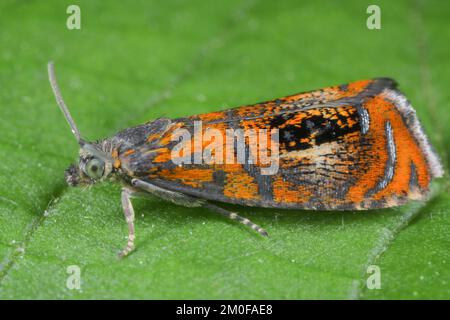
[241, 186]
[190, 177]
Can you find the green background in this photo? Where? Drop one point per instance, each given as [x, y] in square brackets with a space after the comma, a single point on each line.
[133, 62]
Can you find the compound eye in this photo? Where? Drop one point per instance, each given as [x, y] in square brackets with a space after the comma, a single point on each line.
[95, 168]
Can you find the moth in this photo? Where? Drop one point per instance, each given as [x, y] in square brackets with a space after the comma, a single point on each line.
[355, 146]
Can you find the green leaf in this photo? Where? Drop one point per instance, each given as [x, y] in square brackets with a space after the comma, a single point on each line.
[132, 63]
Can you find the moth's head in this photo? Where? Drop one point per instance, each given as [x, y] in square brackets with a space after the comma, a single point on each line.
[93, 166]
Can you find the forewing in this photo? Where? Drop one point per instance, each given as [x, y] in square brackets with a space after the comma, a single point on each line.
[354, 146]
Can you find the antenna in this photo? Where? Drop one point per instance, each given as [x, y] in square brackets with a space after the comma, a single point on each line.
[61, 104]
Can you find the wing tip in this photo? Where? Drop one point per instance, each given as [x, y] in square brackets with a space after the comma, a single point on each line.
[410, 117]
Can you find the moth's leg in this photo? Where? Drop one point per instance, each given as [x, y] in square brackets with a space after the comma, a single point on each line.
[188, 201]
[173, 196]
[129, 217]
[235, 216]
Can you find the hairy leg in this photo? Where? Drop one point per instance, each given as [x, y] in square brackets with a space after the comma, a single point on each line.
[129, 217]
[236, 217]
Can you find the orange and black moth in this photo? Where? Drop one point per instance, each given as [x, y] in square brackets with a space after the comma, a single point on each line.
[356, 146]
